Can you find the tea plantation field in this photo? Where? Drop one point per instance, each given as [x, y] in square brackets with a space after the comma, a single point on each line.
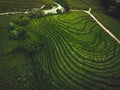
[67, 51]
[75, 53]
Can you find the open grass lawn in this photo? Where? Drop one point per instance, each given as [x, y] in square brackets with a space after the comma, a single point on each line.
[61, 52]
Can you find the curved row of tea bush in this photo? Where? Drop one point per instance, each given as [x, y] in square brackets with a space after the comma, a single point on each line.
[75, 53]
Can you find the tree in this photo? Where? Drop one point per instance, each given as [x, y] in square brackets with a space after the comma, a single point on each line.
[17, 33]
[23, 21]
[31, 44]
[38, 14]
[12, 26]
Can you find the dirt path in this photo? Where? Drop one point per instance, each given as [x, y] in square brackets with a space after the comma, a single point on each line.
[100, 24]
[7, 13]
[59, 7]
[52, 11]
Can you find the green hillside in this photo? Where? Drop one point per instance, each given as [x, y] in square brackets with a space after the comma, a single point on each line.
[67, 51]
[80, 55]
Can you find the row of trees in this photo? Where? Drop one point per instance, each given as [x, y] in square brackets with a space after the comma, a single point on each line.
[112, 7]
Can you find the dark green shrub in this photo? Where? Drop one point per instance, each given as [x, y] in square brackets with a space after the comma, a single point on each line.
[17, 33]
[36, 15]
[23, 21]
[11, 26]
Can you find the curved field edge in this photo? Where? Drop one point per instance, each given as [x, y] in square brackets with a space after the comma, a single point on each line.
[75, 53]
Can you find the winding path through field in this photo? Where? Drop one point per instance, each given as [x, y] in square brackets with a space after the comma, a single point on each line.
[100, 24]
[59, 7]
[13, 13]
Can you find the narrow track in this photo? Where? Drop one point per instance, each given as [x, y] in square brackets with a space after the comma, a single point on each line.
[100, 24]
[7, 13]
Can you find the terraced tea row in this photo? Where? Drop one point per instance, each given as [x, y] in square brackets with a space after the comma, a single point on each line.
[17, 74]
[75, 53]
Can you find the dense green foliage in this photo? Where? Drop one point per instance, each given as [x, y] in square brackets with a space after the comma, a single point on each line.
[36, 14]
[23, 21]
[17, 29]
[17, 33]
